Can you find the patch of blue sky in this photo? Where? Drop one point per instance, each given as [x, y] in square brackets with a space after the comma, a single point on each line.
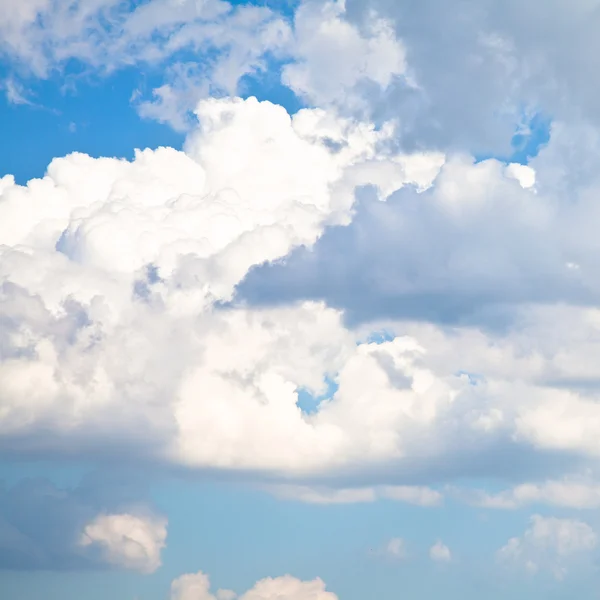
[94, 116]
[380, 337]
[266, 84]
[286, 8]
[309, 403]
[528, 144]
[474, 378]
[527, 141]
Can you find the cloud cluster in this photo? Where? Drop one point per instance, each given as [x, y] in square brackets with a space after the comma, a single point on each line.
[550, 543]
[196, 586]
[117, 279]
[201, 49]
[440, 311]
[467, 76]
[113, 271]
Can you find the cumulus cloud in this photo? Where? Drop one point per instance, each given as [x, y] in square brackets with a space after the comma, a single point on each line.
[439, 552]
[121, 323]
[128, 541]
[551, 544]
[111, 270]
[197, 587]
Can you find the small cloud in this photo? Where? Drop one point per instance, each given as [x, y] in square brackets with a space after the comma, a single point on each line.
[15, 93]
[439, 552]
[128, 541]
[396, 548]
[72, 127]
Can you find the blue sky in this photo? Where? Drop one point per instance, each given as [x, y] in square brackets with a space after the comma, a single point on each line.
[253, 256]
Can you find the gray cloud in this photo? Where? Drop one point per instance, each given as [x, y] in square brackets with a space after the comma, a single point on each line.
[472, 249]
[482, 66]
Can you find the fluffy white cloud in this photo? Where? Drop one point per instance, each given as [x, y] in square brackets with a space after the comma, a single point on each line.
[549, 543]
[110, 273]
[128, 541]
[197, 587]
[439, 552]
[114, 275]
[501, 261]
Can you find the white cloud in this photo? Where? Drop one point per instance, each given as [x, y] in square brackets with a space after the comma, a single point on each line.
[410, 62]
[571, 492]
[289, 588]
[550, 543]
[486, 47]
[332, 57]
[197, 587]
[110, 272]
[14, 92]
[311, 495]
[220, 44]
[439, 552]
[420, 496]
[128, 541]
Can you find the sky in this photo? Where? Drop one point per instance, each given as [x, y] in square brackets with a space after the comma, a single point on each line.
[299, 300]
